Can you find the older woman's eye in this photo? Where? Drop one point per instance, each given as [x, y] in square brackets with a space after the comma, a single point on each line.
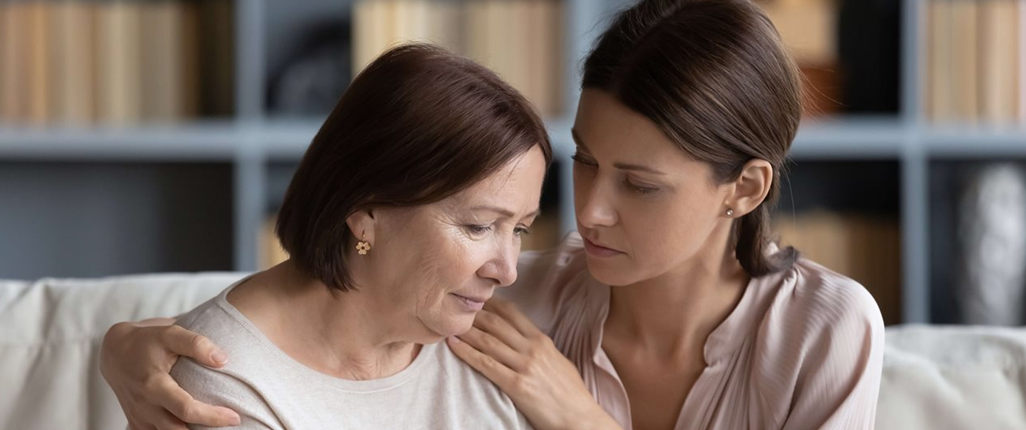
[521, 231]
[478, 229]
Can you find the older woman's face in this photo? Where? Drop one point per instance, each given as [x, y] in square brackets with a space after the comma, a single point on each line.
[435, 265]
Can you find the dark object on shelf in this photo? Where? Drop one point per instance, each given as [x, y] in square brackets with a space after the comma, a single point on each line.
[861, 186]
[217, 58]
[869, 46]
[102, 218]
[313, 79]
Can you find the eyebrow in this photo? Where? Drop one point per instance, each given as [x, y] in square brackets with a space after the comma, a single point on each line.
[505, 212]
[618, 165]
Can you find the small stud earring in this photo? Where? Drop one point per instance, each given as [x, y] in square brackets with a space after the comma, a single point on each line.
[730, 212]
[362, 246]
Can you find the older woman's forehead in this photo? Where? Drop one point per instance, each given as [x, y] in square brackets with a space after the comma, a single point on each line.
[483, 201]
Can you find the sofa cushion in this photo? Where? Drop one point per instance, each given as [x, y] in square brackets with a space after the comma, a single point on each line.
[50, 334]
[953, 377]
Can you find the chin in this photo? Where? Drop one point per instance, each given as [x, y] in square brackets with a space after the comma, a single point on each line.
[609, 274]
[453, 326]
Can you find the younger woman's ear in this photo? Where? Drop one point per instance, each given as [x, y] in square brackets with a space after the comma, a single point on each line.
[751, 187]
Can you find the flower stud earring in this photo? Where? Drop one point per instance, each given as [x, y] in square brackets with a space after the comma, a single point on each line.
[362, 246]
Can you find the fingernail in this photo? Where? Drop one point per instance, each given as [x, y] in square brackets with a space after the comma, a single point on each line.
[233, 419]
[454, 339]
[219, 357]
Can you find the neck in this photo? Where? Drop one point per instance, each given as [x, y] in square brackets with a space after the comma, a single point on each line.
[673, 314]
[340, 334]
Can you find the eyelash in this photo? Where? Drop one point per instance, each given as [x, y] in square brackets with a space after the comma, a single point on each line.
[626, 182]
[637, 189]
[482, 229]
[478, 229]
[580, 160]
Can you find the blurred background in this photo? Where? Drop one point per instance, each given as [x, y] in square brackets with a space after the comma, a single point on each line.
[145, 136]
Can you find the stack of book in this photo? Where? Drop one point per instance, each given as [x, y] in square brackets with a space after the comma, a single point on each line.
[120, 62]
[974, 61]
[519, 39]
[865, 248]
[809, 31]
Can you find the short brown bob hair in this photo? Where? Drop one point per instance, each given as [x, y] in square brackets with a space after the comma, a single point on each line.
[419, 124]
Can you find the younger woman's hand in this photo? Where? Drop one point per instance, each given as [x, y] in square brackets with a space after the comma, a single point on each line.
[506, 347]
[136, 360]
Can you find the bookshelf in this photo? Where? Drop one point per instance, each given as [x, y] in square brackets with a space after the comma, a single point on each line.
[247, 157]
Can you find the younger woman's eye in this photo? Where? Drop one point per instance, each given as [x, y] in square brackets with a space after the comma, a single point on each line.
[580, 159]
[640, 189]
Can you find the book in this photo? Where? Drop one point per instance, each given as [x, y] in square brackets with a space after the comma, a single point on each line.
[862, 247]
[444, 18]
[476, 42]
[517, 39]
[271, 252]
[370, 32]
[999, 61]
[71, 63]
[13, 62]
[1022, 61]
[163, 60]
[939, 95]
[549, 49]
[965, 60]
[118, 65]
[37, 17]
[809, 30]
[807, 27]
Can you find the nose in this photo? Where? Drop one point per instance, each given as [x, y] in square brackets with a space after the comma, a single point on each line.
[502, 267]
[594, 205]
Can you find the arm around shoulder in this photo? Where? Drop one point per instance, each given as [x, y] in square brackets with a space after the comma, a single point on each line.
[222, 388]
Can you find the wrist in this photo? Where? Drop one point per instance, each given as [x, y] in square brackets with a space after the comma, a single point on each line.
[594, 417]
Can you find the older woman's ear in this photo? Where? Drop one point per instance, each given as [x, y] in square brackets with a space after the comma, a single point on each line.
[362, 225]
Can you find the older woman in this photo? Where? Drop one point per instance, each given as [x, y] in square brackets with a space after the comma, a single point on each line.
[403, 218]
[672, 308]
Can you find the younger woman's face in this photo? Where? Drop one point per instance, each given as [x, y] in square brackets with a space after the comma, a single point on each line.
[644, 207]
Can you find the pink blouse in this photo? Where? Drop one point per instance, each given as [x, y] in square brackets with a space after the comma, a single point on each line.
[803, 349]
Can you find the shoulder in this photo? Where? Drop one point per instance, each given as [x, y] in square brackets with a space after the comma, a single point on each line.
[223, 387]
[237, 385]
[222, 324]
[817, 319]
[227, 329]
[473, 392]
[826, 300]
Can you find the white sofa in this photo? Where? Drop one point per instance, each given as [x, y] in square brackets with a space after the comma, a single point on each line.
[50, 331]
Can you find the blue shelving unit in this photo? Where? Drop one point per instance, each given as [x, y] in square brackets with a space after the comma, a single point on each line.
[252, 140]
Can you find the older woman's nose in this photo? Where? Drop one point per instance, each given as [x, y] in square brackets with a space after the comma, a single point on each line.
[502, 267]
